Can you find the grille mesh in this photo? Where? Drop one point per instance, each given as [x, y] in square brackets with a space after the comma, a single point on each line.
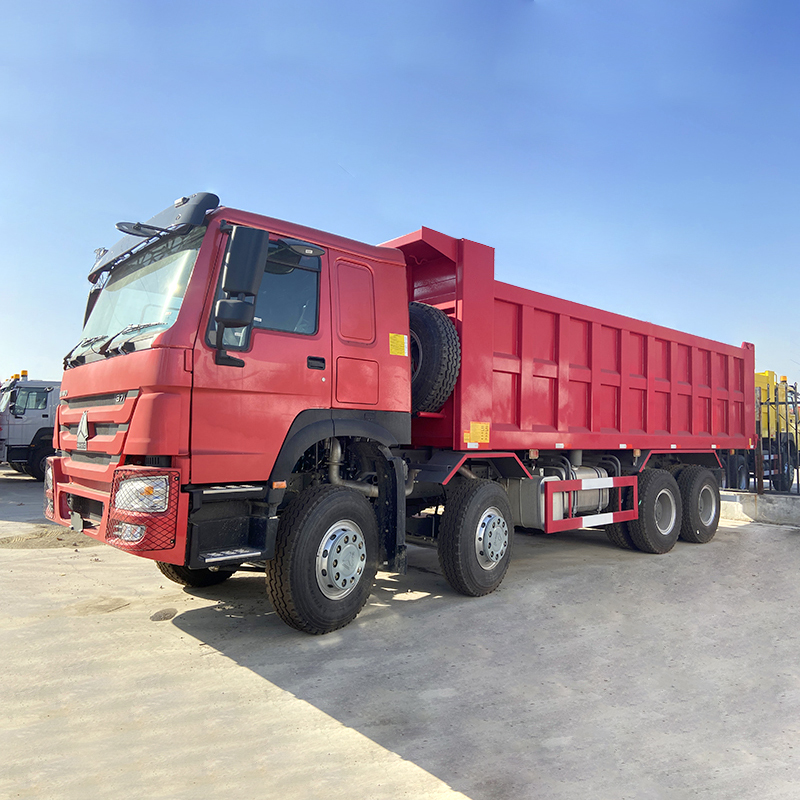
[159, 526]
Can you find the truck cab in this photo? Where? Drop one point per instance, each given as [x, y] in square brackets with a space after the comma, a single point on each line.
[27, 415]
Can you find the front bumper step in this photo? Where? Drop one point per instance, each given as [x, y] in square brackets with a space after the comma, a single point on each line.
[234, 553]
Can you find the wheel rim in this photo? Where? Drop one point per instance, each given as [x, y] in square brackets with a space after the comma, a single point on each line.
[665, 512]
[707, 506]
[491, 539]
[341, 557]
[744, 478]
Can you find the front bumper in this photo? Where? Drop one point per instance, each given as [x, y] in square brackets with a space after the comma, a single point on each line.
[91, 507]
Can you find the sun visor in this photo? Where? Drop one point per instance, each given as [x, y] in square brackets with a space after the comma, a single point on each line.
[185, 213]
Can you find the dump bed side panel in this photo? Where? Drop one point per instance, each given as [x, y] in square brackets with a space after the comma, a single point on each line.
[544, 373]
[572, 376]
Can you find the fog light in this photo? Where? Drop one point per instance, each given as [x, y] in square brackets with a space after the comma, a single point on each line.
[49, 501]
[129, 533]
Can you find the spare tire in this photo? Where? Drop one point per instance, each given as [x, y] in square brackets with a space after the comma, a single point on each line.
[435, 357]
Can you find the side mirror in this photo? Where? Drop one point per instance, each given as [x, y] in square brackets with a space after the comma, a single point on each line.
[245, 260]
[12, 405]
[233, 314]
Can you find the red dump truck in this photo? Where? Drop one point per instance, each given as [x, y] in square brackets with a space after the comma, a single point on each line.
[254, 394]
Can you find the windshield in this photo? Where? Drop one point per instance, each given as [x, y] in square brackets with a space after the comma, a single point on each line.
[143, 294]
[5, 398]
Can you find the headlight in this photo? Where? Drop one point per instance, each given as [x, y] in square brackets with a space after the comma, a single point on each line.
[48, 476]
[143, 494]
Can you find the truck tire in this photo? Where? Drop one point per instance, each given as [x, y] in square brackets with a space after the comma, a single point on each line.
[617, 532]
[325, 560]
[435, 357]
[659, 523]
[782, 481]
[195, 578]
[701, 505]
[37, 461]
[476, 536]
[676, 469]
[737, 474]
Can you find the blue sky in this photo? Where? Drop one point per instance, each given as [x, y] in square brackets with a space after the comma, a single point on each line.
[637, 155]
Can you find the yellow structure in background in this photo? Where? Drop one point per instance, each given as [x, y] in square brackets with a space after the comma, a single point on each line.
[778, 405]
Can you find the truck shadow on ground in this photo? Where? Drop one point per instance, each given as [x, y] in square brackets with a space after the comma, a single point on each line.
[438, 678]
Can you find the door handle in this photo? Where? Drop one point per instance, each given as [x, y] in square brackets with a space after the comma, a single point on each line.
[315, 362]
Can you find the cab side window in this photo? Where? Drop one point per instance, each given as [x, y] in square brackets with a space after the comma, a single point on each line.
[30, 400]
[288, 298]
[289, 293]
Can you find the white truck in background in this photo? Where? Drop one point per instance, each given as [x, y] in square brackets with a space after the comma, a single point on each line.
[27, 414]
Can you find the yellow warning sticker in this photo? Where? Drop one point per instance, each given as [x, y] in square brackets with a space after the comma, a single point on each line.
[478, 432]
[398, 344]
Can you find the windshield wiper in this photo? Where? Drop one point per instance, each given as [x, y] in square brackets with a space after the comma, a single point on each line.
[103, 349]
[82, 343]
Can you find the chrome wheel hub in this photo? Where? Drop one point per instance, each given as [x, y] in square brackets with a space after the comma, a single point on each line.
[665, 512]
[340, 561]
[491, 539]
[707, 506]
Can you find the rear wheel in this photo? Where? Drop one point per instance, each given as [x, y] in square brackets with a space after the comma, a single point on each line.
[738, 474]
[701, 505]
[618, 532]
[475, 537]
[783, 478]
[325, 560]
[659, 523]
[196, 578]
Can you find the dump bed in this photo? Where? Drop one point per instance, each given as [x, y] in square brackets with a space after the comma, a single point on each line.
[543, 373]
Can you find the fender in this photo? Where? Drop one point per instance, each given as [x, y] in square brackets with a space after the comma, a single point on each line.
[43, 436]
[388, 428]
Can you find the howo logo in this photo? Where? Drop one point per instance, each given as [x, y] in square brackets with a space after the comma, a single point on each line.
[83, 431]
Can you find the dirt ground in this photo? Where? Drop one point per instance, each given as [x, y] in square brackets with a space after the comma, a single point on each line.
[592, 672]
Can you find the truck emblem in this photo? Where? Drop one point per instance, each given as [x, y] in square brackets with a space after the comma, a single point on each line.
[83, 431]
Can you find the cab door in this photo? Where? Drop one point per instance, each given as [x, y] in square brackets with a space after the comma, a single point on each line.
[241, 415]
[28, 414]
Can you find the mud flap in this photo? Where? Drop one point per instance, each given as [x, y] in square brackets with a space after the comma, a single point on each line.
[393, 518]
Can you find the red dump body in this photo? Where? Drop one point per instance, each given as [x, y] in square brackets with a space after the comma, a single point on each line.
[543, 373]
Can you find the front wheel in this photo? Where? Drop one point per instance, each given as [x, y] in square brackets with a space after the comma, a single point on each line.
[196, 578]
[325, 560]
[38, 462]
[475, 537]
